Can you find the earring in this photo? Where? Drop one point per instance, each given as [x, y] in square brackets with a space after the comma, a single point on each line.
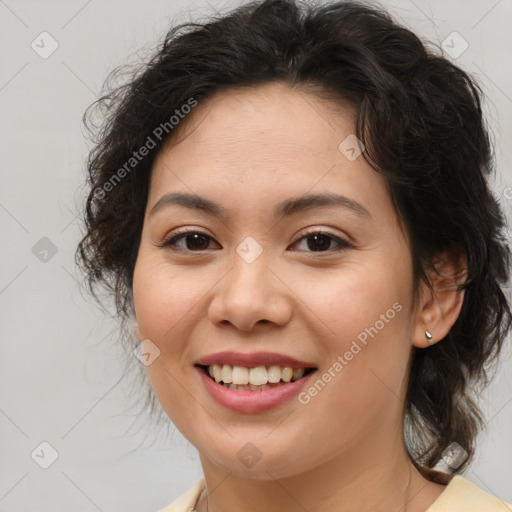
[429, 337]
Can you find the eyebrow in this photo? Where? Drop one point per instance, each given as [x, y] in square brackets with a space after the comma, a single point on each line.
[284, 209]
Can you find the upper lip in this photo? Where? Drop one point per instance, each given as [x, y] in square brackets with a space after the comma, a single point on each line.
[252, 360]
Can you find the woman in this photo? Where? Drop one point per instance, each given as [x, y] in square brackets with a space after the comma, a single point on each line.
[292, 204]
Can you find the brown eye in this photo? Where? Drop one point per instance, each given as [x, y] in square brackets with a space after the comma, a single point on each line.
[193, 241]
[320, 241]
[196, 241]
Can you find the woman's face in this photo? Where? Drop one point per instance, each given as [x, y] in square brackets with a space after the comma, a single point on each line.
[257, 280]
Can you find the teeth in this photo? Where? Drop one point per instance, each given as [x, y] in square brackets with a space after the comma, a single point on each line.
[253, 378]
[257, 376]
[250, 387]
[287, 374]
[274, 374]
[240, 375]
[217, 372]
[298, 373]
[227, 374]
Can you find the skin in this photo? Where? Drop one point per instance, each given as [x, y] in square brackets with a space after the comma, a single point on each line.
[249, 150]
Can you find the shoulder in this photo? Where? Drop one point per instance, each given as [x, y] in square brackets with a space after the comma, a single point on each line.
[461, 495]
[187, 500]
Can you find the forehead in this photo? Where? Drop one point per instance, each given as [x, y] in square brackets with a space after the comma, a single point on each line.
[275, 116]
[264, 145]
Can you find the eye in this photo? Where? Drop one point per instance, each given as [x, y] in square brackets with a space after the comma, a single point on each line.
[194, 241]
[320, 241]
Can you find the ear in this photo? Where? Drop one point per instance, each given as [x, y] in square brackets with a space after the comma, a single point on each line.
[440, 304]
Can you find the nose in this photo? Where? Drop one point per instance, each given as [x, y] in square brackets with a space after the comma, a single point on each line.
[251, 294]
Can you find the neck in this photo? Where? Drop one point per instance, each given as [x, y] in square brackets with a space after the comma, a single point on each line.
[376, 477]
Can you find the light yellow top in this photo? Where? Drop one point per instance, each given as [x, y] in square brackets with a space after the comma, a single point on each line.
[460, 495]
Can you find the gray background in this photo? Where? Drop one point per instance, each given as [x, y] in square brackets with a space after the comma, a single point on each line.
[59, 366]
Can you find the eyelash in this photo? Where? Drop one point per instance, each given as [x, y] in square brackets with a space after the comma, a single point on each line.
[171, 241]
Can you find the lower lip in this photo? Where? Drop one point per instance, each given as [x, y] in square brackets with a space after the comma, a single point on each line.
[252, 401]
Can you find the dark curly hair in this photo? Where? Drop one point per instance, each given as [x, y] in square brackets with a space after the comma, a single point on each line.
[420, 119]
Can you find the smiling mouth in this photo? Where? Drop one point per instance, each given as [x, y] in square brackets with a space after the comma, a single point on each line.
[260, 378]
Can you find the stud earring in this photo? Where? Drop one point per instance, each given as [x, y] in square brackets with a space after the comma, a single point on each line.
[429, 337]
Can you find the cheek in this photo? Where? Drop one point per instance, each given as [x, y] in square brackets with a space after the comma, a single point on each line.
[367, 331]
[351, 300]
[162, 296]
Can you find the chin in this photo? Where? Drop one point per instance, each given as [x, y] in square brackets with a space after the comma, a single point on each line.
[253, 463]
